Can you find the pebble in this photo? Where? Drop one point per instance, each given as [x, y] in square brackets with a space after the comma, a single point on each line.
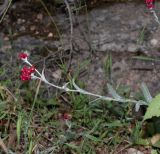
[22, 28]
[6, 38]
[33, 27]
[154, 42]
[37, 32]
[19, 21]
[50, 34]
[100, 70]
[134, 151]
[40, 16]
[132, 47]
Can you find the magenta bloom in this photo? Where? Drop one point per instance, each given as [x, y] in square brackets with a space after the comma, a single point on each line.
[26, 73]
[22, 55]
[150, 4]
[67, 116]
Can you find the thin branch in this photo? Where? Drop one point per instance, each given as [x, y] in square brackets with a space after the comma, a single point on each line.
[3, 146]
[71, 30]
[155, 17]
[4, 8]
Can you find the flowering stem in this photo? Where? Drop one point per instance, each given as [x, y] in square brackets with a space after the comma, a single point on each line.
[77, 88]
[155, 17]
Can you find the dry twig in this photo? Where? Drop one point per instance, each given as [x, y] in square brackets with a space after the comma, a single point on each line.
[3, 146]
[71, 30]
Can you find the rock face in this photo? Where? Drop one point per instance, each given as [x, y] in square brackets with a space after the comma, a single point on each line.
[120, 27]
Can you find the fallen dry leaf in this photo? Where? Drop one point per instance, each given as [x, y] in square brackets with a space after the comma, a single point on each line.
[133, 151]
[155, 139]
[12, 139]
[3, 146]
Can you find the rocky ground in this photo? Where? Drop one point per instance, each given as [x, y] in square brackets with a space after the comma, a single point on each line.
[122, 29]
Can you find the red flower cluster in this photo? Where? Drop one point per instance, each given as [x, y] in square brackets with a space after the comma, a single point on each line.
[22, 55]
[150, 4]
[67, 116]
[26, 73]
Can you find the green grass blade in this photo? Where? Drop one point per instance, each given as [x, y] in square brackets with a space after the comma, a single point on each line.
[30, 147]
[146, 93]
[19, 126]
[113, 92]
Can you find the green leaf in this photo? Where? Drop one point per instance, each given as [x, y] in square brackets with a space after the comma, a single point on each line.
[153, 151]
[145, 58]
[141, 141]
[153, 109]
[116, 123]
[2, 105]
[93, 138]
[73, 146]
[30, 147]
[19, 125]
[146, 93]
[113, 92]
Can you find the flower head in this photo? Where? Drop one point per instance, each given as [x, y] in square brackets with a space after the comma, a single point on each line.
[26, 73]
[23, 55]
[150, 4]
[67, 116]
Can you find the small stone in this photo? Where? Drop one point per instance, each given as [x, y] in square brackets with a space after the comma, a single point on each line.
[40, 16]
[33, 27]
[22, 28]
[19, 21]
[132, 48]
[154, 42]
[50, 34]
[100, 70]
[107, 46]
[133, 151]
[6, 38]
[46, 134]
[37, 32]
[23, 20]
